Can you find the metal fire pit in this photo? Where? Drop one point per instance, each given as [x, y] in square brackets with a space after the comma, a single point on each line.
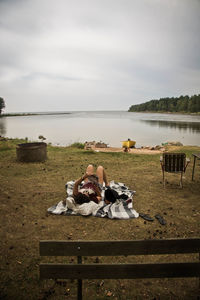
[32, 152]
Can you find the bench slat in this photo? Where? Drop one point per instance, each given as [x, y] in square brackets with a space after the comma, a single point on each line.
[119, 271]
[111, 248]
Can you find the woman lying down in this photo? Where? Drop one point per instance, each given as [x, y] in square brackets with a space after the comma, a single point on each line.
[92, 187]
[91, 194]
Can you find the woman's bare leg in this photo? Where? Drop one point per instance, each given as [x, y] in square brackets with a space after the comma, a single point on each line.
[105, 178]
[89, 171]
[102, 175]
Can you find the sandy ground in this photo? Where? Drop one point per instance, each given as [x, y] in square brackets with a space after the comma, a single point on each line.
[132, 151]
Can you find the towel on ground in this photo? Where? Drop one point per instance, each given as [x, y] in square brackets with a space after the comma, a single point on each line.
[121, 209]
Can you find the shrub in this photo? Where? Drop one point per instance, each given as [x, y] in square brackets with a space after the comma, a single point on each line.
[77, 145]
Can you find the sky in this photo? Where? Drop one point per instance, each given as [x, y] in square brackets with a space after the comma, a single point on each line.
[76, 55]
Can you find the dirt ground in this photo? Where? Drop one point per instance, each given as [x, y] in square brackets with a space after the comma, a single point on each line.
[131, 150]
[27, 190]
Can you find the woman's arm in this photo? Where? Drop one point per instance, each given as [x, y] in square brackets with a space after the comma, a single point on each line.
[77, 183]
[97, 190]
[98, 193]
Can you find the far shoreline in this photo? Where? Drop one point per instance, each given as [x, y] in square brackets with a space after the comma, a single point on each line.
[166, 112]
[33, 114]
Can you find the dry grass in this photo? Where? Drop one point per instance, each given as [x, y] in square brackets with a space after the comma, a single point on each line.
[27, 190]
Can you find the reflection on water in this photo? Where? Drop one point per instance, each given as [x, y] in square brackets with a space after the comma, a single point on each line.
[2, 127]
[183, 126]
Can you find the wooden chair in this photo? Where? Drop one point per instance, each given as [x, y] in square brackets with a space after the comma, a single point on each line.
[174, 163]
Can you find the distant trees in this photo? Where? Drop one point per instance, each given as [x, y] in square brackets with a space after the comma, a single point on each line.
[2, 104]
[180, 104]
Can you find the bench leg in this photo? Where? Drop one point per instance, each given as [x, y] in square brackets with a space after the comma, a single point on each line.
[79, 282]
[79, 292]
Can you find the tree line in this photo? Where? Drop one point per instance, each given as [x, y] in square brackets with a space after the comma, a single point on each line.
[178, 104]
[2, 104]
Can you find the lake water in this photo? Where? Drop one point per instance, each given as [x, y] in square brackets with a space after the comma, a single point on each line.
[111, 127]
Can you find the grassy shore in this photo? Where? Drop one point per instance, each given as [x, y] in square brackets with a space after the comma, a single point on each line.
[28, 189]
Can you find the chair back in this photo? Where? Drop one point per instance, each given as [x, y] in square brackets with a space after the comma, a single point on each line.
[174, 162]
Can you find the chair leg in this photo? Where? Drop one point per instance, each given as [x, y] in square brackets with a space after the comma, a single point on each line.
[181, 183]
[163, 179]
[193, 168]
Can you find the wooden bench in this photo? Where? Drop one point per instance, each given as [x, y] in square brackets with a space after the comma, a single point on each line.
[118, 271]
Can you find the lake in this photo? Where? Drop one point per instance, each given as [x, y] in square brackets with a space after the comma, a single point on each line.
[110, 127]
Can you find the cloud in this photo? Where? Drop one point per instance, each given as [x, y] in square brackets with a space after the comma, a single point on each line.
[97, 54]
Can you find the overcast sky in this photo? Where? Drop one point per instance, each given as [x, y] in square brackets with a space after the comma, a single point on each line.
[97, 54]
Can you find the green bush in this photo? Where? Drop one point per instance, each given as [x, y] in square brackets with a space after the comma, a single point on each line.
[77, 145]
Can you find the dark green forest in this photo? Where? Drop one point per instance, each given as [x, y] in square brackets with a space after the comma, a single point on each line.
[2, 104]
[183, 104]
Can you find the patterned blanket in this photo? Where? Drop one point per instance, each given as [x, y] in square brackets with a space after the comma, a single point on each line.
[121, 209]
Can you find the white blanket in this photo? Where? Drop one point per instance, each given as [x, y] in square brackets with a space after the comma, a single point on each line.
[121, 209]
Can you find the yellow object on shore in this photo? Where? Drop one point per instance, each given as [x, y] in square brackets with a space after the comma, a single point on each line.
[128, 144]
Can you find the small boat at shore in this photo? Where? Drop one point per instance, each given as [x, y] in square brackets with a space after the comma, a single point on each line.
[128, 144]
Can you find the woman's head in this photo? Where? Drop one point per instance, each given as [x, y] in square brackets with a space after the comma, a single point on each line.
[81, 198]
